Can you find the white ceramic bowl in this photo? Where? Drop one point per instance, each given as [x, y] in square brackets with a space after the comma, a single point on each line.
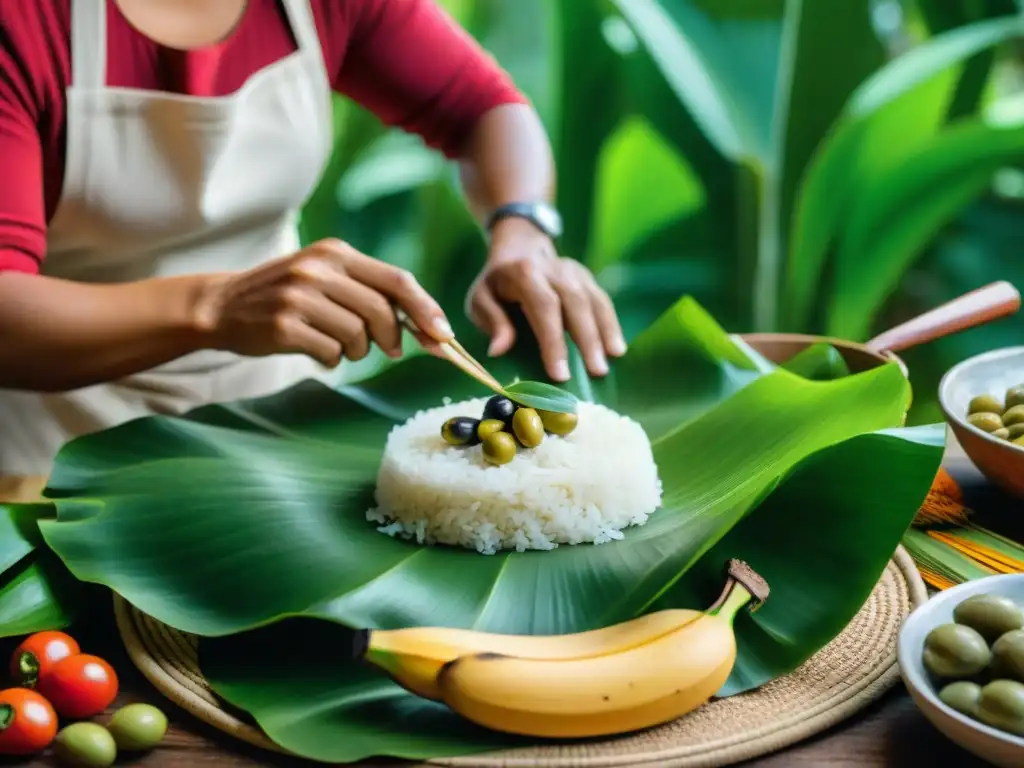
[992, 373]
[990, 744]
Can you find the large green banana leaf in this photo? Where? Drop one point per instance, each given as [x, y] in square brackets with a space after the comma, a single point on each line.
[890, 117]
[243, 523]
[823, 542]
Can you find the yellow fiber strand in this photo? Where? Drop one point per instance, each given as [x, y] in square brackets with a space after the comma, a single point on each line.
[986, 555]
[933, 579]
[980, 550]
[940, 511]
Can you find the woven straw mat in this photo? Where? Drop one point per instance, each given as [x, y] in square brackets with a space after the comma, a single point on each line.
[844, 677]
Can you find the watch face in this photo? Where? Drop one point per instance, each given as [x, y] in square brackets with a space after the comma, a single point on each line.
[549, 219]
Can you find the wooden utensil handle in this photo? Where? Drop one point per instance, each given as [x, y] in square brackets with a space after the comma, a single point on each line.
[978, 307]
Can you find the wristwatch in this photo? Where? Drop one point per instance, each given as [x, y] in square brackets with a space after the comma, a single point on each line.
[543, 216]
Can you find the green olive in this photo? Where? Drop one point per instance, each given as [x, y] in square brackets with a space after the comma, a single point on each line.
[558, 423]
[1013, 416]
[1018, 440]
[985, 404]
[962, 696]
[86, 745]
[987, 422]
[955, 650]
[137, 727]
[989, 615]
[1001, 705]
[460, 430]
[499, 448]
[528, 427]
[1003, 433]
[1015, 430]
[1008, 655]
[488, 426]
[500, 407]
[1015, 396]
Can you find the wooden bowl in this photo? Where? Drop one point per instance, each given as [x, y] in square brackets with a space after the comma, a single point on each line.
[993, 372]
[780, 347]
[995, 746]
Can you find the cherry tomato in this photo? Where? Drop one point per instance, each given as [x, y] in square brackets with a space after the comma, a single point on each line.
[38, 653]
[80, 686]
[27, 722]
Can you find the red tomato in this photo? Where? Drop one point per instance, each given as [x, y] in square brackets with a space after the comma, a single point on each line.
[80, 686]
[38, 653]
[27, 722]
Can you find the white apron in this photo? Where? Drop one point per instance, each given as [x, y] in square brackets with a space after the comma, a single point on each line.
[160, 184]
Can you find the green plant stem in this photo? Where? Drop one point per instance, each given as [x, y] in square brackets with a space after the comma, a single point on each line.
[28, 669]
[769, 255]
[749, 219]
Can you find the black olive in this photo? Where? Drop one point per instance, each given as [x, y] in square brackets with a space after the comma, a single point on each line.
[501, 408]
[460, 430]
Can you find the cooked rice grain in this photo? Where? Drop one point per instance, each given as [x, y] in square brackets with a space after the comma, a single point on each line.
[585, 487]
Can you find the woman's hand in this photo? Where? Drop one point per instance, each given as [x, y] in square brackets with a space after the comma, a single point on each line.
[328, 301]
[556, 294]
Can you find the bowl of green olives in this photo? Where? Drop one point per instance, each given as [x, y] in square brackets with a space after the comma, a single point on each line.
[983, 402]
[961, 656]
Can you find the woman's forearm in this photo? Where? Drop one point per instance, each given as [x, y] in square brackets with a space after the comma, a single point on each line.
[57, 335]
[508, 159]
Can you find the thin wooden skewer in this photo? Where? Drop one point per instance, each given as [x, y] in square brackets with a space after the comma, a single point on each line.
[457, 355]
[471, 360]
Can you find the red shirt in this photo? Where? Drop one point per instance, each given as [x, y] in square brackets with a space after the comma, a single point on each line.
[405, 60]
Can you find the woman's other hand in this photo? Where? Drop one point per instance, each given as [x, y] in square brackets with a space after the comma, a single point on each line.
[328, 301]
[556, 295]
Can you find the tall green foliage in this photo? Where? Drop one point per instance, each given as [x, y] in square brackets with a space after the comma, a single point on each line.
[770, 157]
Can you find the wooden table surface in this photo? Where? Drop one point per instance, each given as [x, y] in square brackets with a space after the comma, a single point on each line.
[890, 733]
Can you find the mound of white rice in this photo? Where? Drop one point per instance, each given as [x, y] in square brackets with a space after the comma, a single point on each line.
[585, 487]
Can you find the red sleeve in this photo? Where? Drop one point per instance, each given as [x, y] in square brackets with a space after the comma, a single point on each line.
[22, 206]
[414, 67]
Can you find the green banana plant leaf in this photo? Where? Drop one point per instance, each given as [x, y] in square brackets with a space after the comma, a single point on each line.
[36, 592]
[336, 712]
[588, 82]
[888, 118]
[807, 99]
[722, 69]
[19, 532]
[824, 545]
[644, 186]
[244, 523]
[927, 190]
[819, 71]
[943, 15]
[819, 362]
[521, 35]
[718, 76]
[397, 162]
[333, 711]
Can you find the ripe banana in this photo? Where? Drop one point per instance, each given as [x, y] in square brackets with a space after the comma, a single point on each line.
[414, 657]
[638, 687]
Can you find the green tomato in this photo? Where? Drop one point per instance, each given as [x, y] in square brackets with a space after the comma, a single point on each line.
[85, 745]
[138, 727]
